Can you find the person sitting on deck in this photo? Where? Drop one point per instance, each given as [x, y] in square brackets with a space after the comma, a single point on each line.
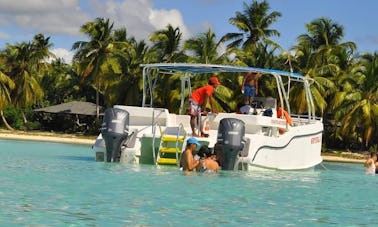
[198, 99]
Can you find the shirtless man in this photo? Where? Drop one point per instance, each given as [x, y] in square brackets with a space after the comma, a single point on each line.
[187, 161]
[250, 86]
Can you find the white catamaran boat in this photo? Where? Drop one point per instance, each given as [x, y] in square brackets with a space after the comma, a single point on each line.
[258, 139]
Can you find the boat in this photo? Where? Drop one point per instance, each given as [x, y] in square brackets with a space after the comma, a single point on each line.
[259, 139]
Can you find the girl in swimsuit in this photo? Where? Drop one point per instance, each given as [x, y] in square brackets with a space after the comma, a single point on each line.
[207, 163]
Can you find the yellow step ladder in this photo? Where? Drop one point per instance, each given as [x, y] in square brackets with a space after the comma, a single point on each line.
[171, 145]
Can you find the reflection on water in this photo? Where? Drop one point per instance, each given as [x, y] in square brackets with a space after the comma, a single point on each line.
[50, 184]
[77, 158]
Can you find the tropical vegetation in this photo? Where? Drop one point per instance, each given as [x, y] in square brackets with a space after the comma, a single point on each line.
[106, 70]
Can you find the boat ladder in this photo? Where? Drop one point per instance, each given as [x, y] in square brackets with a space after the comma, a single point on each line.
[171, 146]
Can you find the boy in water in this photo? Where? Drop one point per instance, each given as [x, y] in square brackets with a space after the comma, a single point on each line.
[187, 161]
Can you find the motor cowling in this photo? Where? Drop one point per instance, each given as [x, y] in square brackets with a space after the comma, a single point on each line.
[230, 141]
[115, 128]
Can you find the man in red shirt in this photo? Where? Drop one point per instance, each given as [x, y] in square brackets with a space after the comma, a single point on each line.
[198, 99]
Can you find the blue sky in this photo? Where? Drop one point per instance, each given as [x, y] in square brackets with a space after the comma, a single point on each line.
[61, 19]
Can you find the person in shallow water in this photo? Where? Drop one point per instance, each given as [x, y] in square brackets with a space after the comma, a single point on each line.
[207, 163]
[187, 161]
[370, 164]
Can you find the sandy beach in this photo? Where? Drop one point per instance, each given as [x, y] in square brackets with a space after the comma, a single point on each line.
[46, 137]
[76, 139]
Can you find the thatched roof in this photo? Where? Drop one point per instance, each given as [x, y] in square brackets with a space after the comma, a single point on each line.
[74, 107]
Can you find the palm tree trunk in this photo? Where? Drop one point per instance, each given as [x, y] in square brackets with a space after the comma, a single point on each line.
[24, 117]
[97, 100]
[5, 121]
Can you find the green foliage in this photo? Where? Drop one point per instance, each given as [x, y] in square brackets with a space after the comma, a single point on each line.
[106, 69]
[14, 118]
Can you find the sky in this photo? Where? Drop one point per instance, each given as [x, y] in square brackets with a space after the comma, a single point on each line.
[60, 20]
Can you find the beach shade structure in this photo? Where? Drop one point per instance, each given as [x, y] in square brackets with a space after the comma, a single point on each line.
[74, 107]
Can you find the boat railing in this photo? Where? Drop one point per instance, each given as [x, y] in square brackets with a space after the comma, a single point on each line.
[154, 139]
[154, 125]
[301, 118]
[180, 132]
[154, 120]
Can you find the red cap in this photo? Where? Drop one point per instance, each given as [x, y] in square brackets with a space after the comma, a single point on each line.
[214, 80]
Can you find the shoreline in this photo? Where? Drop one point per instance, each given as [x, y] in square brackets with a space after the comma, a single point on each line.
[73, 139]
[45, 137]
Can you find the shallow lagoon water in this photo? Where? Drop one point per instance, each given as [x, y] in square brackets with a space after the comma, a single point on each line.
[52, 184]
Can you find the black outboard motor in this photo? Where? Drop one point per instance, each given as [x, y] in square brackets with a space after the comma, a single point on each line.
[231, 132]
[114, 130]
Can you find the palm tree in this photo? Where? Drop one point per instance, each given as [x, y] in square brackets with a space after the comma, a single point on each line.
[25, 63]
[322, 32]
[203, 48]
[166, 48]
[6, 85]
[61, 84]
[308, 63]
[166, 44]
[127, 91]
[100, 55]
[252, 46]
[254, 23]
[320, 56]
[356, 105]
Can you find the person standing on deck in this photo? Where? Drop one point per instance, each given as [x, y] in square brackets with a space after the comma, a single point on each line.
[250, 86]
[198, 100]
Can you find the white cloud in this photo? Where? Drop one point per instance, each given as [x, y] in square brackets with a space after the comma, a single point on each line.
[54, 17]
[131, 14]
[139, 17]
[161, 18]
[66, 55]
[35, 6]
[64, 17]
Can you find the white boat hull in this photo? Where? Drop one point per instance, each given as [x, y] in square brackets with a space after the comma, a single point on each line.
[299, 147]
[291, 153]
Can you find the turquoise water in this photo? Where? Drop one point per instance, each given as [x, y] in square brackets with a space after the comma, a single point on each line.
[51, 184]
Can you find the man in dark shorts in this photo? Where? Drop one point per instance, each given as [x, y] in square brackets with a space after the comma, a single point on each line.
[250, 86]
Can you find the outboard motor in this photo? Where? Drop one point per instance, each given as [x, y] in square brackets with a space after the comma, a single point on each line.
[114, 130]
[231, 132]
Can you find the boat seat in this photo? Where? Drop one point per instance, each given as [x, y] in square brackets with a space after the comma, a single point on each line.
[266, 102]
